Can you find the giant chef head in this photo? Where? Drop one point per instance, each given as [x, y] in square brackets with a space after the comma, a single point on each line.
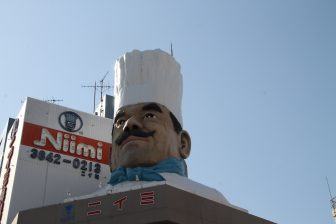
[147, 112]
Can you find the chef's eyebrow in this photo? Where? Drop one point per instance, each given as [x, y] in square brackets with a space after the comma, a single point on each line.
[119, 115]
[152, 106]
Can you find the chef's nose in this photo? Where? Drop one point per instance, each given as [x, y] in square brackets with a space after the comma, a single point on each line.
[132, 124]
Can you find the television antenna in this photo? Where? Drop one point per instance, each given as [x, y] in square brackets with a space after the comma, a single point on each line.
[53, 100]
[102, 88]
[332, 201]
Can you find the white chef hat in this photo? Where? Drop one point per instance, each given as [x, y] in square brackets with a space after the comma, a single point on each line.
[148, 76]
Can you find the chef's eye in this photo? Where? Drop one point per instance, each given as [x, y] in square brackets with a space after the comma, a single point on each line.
[150, 115]
[119, 123]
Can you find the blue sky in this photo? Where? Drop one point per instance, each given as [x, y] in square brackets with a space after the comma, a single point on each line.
[259, 84]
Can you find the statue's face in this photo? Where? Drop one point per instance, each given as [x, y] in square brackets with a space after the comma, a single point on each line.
[143, 135]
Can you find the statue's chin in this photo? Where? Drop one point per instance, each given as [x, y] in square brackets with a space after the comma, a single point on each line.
[136, 157]
[135, 153]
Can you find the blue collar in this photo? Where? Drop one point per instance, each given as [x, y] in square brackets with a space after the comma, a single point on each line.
[170, 165]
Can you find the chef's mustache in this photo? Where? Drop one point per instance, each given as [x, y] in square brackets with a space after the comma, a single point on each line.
[136, 133]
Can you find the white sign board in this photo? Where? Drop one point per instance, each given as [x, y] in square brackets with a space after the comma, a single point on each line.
[52, 153]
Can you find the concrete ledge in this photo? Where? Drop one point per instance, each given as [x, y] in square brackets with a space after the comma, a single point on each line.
[159, 204]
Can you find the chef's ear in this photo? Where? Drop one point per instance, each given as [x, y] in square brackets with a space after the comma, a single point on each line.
[185, 144]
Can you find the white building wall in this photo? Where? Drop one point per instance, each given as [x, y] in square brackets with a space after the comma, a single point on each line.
[12, 141]
[35, 182]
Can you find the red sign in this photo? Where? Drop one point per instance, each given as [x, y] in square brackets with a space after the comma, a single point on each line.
[65, 143]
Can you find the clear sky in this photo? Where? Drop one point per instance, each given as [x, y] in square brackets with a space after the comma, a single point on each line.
[259, 84]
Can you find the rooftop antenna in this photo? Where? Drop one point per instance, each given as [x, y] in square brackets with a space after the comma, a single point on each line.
[171, 50]
[94, 93]
[53, 100]
[102, 88]
[332, 201]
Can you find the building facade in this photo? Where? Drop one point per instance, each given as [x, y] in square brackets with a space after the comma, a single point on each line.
[51, 153]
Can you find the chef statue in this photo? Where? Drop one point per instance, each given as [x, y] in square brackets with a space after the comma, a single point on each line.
[149, 145]
[148, 142]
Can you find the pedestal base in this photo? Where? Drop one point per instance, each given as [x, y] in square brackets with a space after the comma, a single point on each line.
[159, 204]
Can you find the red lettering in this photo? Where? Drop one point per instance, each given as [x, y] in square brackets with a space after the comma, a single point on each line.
[1, 205]
[3, 194]
[10, 154]
[5, 180]
[6, 177]
[147, 198]
[94, 204]
[65, 143]
[12, 141]
[95, 212]
[120, 203]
